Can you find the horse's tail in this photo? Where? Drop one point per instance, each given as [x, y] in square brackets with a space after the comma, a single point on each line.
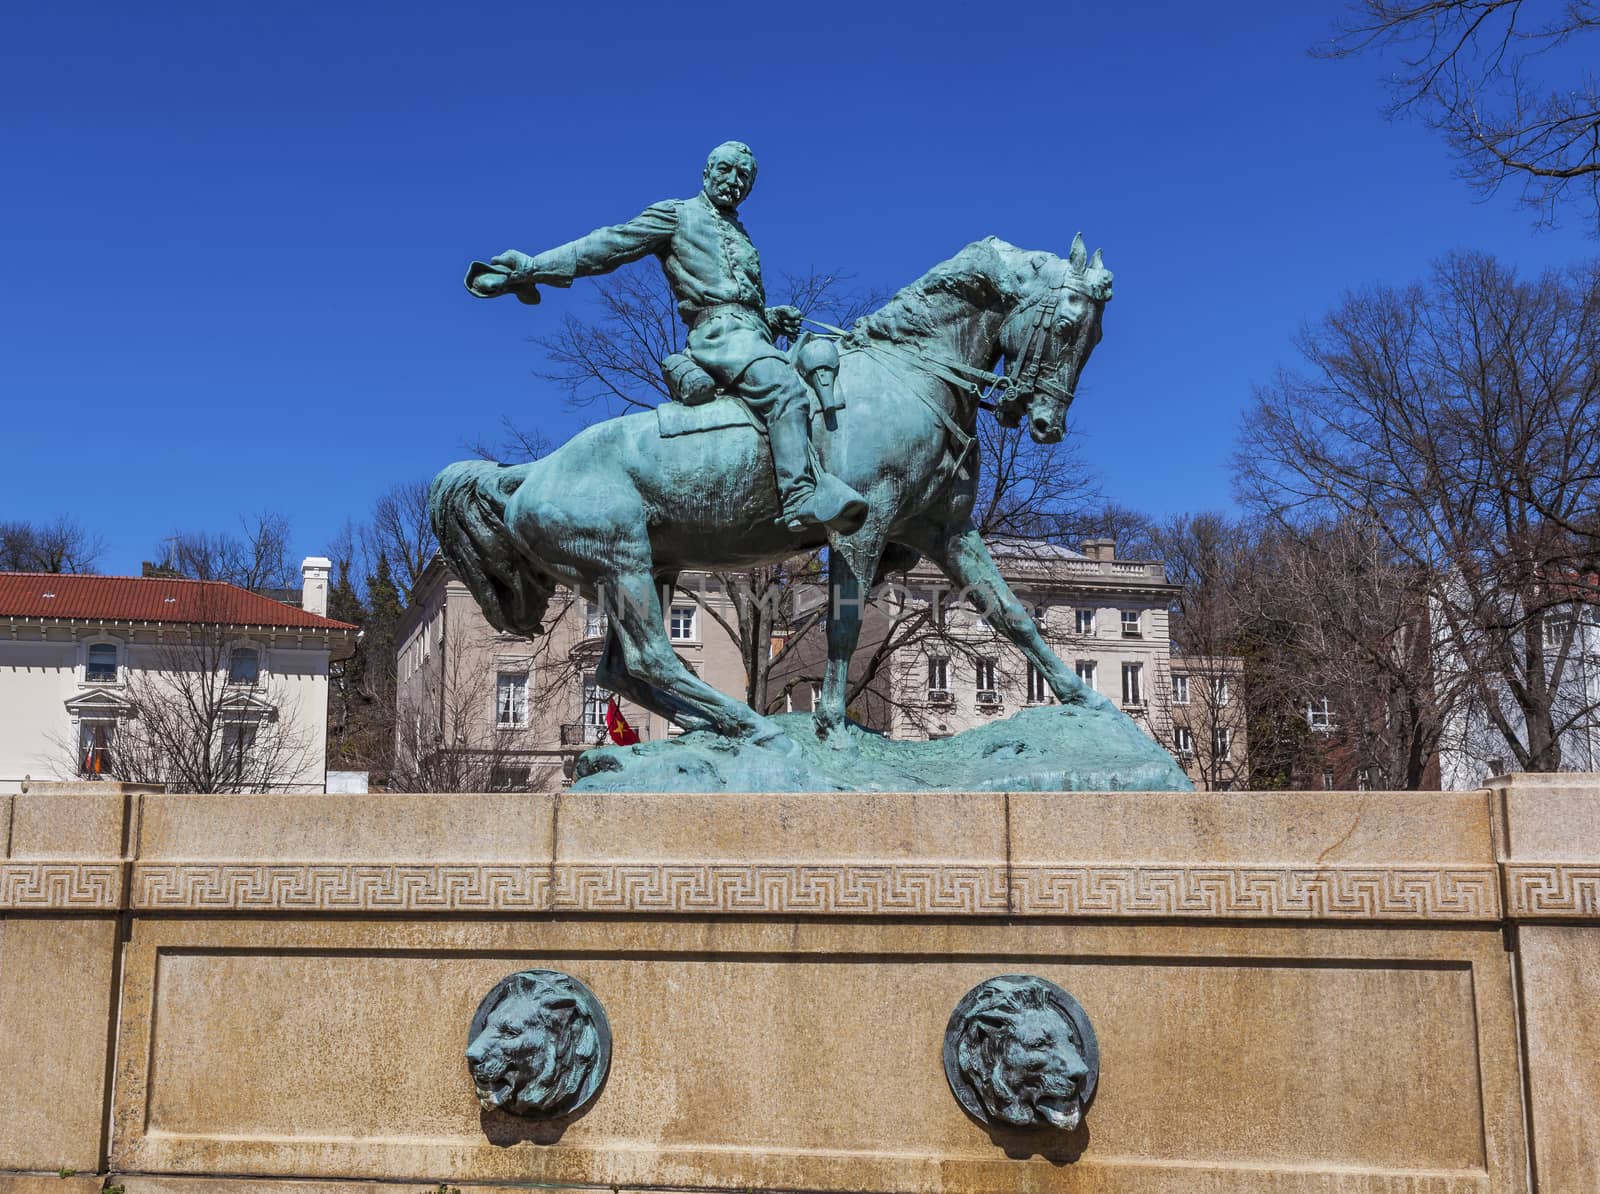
[467, 506]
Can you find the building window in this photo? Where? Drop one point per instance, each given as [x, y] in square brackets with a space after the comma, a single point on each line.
[1557, 629]
[1327, 780]
[1183, 739]
[1132, 625]
[595, 623]
[1319, 715]
[509, 777]
[1219, 690]
[95, 739]
[1038, 690]
[244, 665]
[511, 699]
[1083, 621]
[238, 744]
[100, 665]
[1133, 684]
[938, 674]
[816, 697]
[1222, 744]
[680, 626]
[1086, 669]
[595, 700]
[1364, 780]
[983, 674]
[1180, 690]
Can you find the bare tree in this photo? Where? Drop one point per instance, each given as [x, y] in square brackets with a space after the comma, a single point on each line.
[450, 737]
[258, 559]
[204, 715]
[1341, 652]
[401, 531]
[1459, 421]
[58, 546]
[613, 361]
[1507, 84]
[765, 611]
[1209, 556]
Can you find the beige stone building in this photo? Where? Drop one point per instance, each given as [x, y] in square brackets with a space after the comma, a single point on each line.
[78, 655]
[480, 710]
[486, 711]
[1206, 726]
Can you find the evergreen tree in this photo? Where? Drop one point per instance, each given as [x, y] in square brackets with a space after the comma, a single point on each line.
[384, 610]
[348, 703]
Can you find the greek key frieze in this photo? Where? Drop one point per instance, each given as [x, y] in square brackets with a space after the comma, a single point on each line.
[946, 889]
[1553, 889]
[850, 888]
[341, 887]
[60, 884]
[1363, 893]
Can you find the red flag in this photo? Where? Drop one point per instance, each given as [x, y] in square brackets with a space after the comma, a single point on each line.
[617, 725]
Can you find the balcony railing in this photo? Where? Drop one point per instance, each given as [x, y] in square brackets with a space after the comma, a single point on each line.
[1126, 569]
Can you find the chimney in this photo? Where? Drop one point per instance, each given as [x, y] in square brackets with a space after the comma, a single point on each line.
[314, 594]
[1100, 549]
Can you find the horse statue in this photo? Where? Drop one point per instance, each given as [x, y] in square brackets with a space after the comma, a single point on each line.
[622, 508]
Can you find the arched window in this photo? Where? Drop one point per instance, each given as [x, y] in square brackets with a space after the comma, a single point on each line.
[244, 665]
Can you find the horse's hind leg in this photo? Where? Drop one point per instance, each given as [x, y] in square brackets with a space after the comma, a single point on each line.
[678, 694]
[612, 673]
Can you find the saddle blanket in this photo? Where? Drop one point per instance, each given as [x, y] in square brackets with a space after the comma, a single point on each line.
[675, 418]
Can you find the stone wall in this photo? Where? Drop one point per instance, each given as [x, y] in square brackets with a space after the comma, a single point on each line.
[1292, 992]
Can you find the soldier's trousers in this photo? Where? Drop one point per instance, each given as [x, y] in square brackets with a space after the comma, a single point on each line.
[774, 392]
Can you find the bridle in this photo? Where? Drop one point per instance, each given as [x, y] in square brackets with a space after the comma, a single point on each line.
[1016, 387]
[1009, 392]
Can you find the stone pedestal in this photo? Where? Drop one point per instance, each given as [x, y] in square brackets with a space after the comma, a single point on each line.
[1550, 851]
[1292, 992]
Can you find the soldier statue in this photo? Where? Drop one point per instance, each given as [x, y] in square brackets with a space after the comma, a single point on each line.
[715, 274]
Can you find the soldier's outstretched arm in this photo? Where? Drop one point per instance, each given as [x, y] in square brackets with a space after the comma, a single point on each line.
[602, 251]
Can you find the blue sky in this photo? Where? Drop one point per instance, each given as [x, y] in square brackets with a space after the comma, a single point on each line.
[234, 234]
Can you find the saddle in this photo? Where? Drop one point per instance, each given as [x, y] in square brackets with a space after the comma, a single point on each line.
[699, 404]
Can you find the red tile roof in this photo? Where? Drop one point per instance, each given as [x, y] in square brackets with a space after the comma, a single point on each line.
[147, 599]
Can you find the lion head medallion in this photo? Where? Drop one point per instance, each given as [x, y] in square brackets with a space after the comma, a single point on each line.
[1019, 1052]
[539, 1046]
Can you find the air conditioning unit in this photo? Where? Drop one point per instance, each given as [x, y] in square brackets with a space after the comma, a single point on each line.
[941, 696]
[988, 696]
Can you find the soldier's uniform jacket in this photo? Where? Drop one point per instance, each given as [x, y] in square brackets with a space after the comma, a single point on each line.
[713, 269]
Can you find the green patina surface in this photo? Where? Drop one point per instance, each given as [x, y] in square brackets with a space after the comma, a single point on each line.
[1057, 748]
[862, 445]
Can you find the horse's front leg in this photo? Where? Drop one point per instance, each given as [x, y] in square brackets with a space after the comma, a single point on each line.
[967, 562]
[844, 631]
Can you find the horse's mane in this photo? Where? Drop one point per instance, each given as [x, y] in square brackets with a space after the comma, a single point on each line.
[976, 274]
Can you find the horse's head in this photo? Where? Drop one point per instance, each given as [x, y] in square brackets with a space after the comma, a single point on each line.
[1048, 335]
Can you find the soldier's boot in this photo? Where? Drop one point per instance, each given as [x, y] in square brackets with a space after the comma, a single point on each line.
[811, 497]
